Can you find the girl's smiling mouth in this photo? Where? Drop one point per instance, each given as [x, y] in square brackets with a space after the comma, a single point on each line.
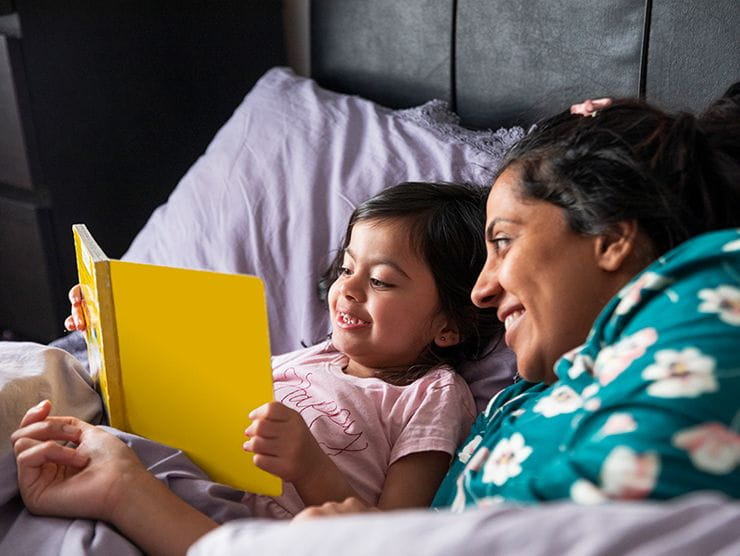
[347, 321]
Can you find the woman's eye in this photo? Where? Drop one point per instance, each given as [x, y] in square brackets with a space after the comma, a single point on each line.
[500, 243]
[344, 271]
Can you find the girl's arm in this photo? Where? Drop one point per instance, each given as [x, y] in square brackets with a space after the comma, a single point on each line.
[283, 445]
[99, 477]
[413, 480]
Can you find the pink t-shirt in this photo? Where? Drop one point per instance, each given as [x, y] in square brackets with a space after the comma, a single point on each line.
[365, 424]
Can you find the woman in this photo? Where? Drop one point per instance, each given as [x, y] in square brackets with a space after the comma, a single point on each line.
[582, 206]
[623, 313]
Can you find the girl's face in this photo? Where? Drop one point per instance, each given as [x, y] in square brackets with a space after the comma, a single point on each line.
[544, 279]
[384, 305]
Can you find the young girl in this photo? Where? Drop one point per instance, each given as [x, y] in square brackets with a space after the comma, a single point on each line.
[377, 411]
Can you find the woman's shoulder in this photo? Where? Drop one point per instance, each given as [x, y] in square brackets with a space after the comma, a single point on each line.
[718, 246]
[667, 291]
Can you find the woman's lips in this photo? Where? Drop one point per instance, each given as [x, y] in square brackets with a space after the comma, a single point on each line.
[510, 324]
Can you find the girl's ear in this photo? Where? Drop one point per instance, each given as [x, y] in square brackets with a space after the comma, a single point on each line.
[447, 337]
[618, 246]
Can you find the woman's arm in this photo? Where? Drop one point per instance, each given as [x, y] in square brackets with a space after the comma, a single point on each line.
[98, 477]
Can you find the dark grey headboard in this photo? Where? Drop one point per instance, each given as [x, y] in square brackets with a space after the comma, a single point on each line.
[501, 62]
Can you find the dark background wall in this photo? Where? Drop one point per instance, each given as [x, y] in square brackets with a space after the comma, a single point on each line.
[103, 107]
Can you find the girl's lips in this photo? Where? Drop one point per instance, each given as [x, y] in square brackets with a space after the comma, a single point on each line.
[347, 321]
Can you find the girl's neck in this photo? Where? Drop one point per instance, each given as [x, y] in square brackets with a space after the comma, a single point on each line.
[353, 368]
[398, 376]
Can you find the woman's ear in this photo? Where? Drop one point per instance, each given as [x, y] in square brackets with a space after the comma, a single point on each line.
[617, 246]
[447, 337]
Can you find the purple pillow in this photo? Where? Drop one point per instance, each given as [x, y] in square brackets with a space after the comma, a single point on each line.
[272, 194]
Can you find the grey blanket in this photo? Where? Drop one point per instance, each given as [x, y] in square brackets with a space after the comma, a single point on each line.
[704, 523]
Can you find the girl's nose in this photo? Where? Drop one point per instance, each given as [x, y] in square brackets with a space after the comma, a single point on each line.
[351, 288]
[487, 289]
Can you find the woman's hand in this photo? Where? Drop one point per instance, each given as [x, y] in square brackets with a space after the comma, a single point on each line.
[87, 478]
[590, 107]
[282, 443]
[351, 505]
[76, 321]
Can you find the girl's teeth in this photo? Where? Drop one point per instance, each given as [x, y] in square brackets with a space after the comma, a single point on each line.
[351, 320]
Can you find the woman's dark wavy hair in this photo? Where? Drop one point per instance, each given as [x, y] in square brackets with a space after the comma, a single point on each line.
[445, 223]
[676, 175]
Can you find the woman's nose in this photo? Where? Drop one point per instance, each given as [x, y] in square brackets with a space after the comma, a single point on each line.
[487, 289]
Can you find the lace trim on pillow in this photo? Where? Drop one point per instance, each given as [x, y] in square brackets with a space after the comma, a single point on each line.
[436, 115]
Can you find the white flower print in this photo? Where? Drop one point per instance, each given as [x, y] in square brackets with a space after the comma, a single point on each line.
[590, 390]
[505, 460]
[563, 399]
[732, 246]
[681, 374]
[458, 504]
[474, 464]
[492, 403]
[586, 493]
[467, 451]
[613, 360]
[581, 364]
[632, 293]
[572, 354]
[628, 475]
[494, 500]
[618, 423]
[724, 300]
[712, 447]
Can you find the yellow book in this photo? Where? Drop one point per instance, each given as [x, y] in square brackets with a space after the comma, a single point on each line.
[182, 356]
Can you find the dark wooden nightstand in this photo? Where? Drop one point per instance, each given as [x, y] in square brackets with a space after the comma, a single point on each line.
[103, 107]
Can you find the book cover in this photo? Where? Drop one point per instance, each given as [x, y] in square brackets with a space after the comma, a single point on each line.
[181, 356]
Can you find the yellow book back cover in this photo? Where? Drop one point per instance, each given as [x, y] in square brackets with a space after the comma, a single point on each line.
[194, 355]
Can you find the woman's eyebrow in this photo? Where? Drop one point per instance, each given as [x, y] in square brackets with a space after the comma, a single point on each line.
[383, 262]
[492, 223]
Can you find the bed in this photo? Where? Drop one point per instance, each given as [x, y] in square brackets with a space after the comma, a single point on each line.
[412, 90]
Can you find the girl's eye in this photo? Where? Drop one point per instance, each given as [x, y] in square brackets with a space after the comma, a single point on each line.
[344, 271]
[379, 283]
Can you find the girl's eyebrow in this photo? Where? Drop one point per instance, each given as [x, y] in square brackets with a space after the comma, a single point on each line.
[383, 262]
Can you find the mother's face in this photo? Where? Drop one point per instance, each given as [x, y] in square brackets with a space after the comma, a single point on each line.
[545, 279]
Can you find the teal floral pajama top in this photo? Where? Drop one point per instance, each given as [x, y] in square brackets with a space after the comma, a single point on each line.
[648, 407]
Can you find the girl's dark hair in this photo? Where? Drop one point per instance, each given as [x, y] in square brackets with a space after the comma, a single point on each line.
[445, 223]
[676, 175]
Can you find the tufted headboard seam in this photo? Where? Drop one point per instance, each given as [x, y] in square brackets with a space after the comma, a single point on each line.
[500, 63]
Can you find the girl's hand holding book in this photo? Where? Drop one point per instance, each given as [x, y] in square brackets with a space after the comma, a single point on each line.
[76, 321]
[282, 443]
